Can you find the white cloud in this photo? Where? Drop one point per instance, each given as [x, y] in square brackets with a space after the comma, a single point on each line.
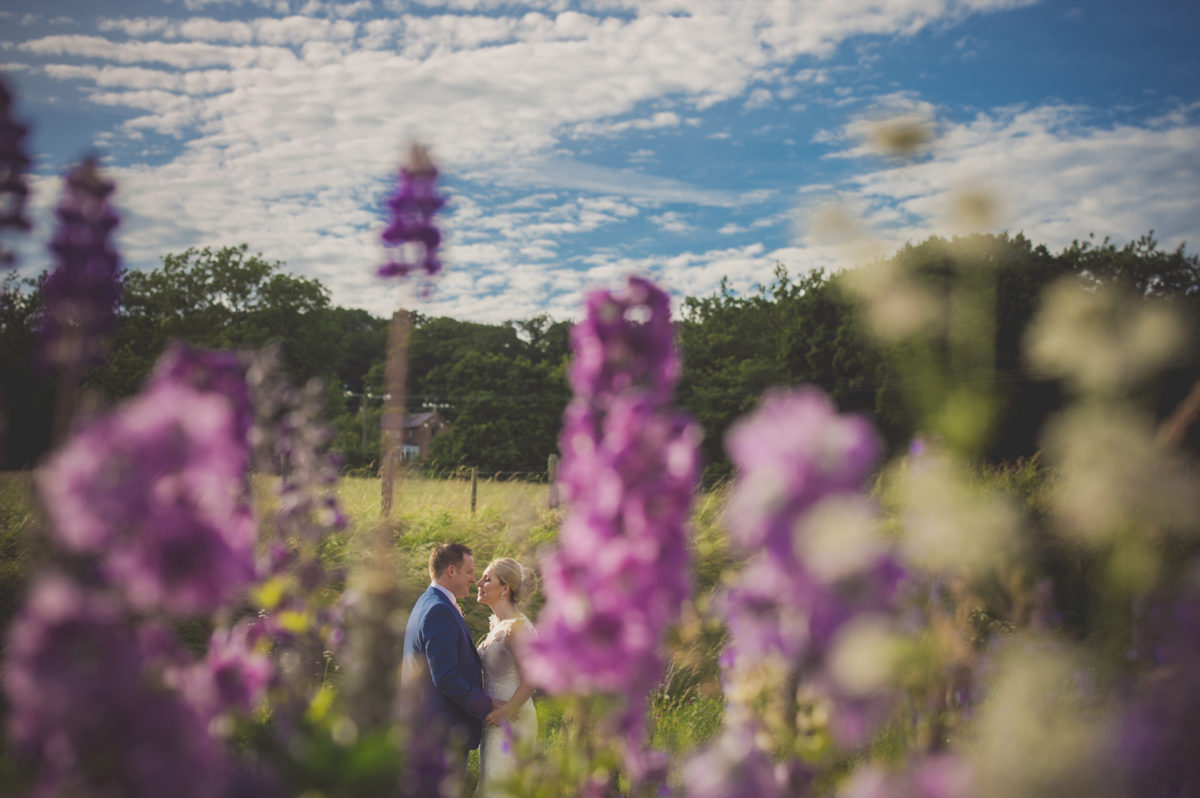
[662, 119]
[138, 78]
[1044, 171]
[182, 55]
[136, 27]
[759, 98]
[278, 6]
[672, 222]
[335, 8]
[294, 123]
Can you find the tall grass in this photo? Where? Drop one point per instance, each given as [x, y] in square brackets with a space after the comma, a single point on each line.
[513, 519]
[19, 543]
[510, 519]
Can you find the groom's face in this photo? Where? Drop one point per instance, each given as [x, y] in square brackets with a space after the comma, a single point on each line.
[461, 577]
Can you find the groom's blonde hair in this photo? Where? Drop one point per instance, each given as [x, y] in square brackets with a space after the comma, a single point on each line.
[445, 555]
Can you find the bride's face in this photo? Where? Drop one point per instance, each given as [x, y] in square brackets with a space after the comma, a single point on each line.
[490, 589]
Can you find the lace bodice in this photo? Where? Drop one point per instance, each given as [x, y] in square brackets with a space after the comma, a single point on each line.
[500, 674]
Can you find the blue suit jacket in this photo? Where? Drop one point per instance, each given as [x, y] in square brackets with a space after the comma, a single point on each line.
[438, 646]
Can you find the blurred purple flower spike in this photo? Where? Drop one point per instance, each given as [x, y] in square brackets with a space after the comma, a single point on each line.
[794, 454]
[1158, 734]
[629, 471]
[157, 490]
[625, 343]
[792, 451]
[91, 711]
[14, 191]
[233, 676]
[83, 292]
[209, 371]
[412, 238]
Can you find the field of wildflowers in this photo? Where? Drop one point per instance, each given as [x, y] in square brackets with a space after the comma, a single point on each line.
[196, 612]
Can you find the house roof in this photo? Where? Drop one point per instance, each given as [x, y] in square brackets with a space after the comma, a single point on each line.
[417, 419]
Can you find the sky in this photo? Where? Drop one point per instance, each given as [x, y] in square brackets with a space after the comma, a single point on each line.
[580, 141]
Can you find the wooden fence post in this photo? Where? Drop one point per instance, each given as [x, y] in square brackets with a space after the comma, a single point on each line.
[474, 479]
[552, 472]
[392, 421]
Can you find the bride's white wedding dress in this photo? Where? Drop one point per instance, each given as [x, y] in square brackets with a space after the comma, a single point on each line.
[497, 751]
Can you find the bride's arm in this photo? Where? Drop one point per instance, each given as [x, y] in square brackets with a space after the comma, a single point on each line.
[524, 689]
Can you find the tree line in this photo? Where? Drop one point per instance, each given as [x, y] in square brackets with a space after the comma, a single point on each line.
[503, 386]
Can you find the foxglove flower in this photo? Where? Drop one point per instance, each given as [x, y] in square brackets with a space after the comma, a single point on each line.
[794, 450]
[83, 291]
[815, 565]
[625, 343]
[303, 634]
[630, 464]
[13, 164]
[155, 491]
[91, 711]
[936, 776]
[1160, 728]
[214, 372]
[412, 238]
[732, 766]
[232, 677]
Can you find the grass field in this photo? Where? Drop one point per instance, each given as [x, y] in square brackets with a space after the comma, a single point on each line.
[510, 519]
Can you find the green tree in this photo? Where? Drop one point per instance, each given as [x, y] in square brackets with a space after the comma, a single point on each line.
[362, 343]
[790, 332]
[507, 413]
[1139, 265]
[26, 392]
[544, 340]
[438, 346]
[222, 298]
[808, 329]
[730, 356]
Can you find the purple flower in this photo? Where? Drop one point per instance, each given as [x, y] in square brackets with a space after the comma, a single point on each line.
[1162, 723]
[83, 291]
[620, 571]
[91, 712]
[936, 776]
[625, 343]
[296, 583]
[732, 766]
[232, 677]
[155, 490]
[793, 450]
[214, 372]
[13, 163]
[412, 238]
[814, 563]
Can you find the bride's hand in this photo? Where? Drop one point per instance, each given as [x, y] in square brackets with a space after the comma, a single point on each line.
[497, 715]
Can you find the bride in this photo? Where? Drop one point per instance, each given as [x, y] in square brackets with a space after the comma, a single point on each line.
[505, 583]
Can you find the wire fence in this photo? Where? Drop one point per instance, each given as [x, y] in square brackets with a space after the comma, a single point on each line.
[470, 474]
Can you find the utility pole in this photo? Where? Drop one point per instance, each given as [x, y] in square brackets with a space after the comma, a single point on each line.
[366, 396]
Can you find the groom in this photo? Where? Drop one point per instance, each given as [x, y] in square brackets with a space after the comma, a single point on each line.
[438, 649]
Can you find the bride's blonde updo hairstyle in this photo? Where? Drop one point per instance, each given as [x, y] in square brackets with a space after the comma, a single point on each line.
[520, 581]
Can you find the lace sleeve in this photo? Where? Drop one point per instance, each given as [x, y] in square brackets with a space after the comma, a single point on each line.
[498, 630]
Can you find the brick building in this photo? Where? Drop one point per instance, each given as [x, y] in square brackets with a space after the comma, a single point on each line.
[419, 431]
